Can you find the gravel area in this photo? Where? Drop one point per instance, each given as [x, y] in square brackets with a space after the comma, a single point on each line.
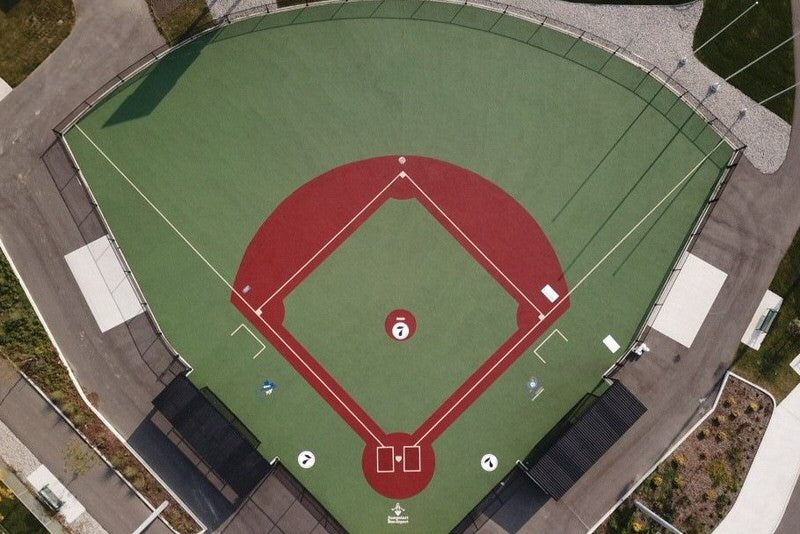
[661, 35]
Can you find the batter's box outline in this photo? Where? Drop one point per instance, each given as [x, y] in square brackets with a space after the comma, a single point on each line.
[381, 451]
[412, 451]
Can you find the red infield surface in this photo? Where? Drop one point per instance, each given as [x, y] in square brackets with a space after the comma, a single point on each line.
[308, 226]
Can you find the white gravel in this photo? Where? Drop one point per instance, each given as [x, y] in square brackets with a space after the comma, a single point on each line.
[661, 35]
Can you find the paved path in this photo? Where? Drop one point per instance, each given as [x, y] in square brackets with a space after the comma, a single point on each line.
[772, 476]
[122, 367]
[46, 435]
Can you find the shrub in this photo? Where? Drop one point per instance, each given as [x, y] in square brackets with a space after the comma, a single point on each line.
[722, 502]
[118, 461]
[719, 419]
[680, 481]
[704, 433]
[637, 526]
[657, 480]
[718, 472]
[69, 408]
[79, 419]
[735, 413]
[722, 435]
[709, 494]
[139, 483]
[679, 460]
[730, 400]
[57, 396]
[130, 472]
[753, 406]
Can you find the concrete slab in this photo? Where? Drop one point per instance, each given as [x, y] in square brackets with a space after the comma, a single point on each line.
[772, 477]
[104, 284]
[753, 337]
[42, 477]
[5, 89]
[689, 301]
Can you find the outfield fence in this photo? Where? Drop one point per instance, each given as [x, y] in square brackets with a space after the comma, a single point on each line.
[612, 61]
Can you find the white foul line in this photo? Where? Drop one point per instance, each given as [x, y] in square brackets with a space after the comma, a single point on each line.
[465, 236]
[537, 394]
[563, 299]
[331, 240]
[229, 286]
[539, 346]
[254, 337]
[575, 287]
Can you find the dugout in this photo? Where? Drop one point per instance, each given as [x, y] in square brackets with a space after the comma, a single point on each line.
[214, 433]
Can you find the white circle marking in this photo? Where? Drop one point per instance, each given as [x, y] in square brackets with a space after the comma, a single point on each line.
[306, 459]
[489, 462]
[400, 330]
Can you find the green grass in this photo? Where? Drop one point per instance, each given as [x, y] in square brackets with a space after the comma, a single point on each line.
[14, 516]
[588, 154]
[189, 17]
[29, 32]
[769, 366]
[764, 27]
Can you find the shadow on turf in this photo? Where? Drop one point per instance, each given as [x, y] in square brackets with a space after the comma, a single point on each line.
[157, 81]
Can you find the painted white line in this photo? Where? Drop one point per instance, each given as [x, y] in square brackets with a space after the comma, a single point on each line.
[637, 225]
[331, 240]
[575, 287]
[541, 390]
[476, 247]
[539, 346]
[228, 285]
[482, 378]
[254, 337]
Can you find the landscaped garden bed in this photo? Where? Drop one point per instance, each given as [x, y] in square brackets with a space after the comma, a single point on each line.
[696, 486]
[24, 342]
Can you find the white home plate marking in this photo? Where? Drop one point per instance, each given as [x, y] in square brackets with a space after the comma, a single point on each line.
[550, 293]
[611, 343]
[398, 458]
[306, 459]
[489, 462]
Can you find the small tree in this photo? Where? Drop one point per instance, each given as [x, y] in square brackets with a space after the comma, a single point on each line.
[78, 458]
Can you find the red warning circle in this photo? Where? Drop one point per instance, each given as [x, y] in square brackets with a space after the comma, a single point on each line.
[400, 325]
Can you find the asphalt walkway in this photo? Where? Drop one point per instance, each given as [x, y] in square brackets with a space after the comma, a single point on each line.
[48, 437]
[124, 367]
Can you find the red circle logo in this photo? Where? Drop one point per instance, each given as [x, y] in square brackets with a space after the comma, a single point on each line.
[400, 324]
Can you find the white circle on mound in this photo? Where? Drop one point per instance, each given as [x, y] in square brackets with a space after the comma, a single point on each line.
[306, 459]
[489, 462]
[400, 330]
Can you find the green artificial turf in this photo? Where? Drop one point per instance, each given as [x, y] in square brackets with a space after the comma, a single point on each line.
[220, 131]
